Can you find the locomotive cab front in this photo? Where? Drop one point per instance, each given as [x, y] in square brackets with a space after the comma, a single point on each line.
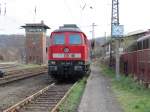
[68, 54]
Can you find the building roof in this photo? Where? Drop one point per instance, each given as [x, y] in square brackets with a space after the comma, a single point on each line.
[143, 38]
[137, 32]
[33, 25]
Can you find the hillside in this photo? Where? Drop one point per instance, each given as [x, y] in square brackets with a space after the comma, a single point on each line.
[12, 47]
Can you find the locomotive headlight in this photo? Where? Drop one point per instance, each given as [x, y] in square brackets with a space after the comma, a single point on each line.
[78, 68]
[80, 62]
[52, 62]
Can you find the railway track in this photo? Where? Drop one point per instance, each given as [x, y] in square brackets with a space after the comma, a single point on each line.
[45, 100]
[6, 66]
[21, 74]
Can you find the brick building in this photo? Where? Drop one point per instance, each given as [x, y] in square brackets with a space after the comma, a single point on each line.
[35, 43]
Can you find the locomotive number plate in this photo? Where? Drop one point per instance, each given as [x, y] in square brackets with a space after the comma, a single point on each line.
[74, 55]
[67, 55]
[58, 55]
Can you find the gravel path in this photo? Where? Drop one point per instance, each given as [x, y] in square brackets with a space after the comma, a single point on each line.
[14, 92]
[98, 96]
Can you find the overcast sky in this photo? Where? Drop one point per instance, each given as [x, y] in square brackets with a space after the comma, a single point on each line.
[134, 14]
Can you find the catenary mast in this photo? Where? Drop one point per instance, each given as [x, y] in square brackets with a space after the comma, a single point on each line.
[114, 29]
[114, 21]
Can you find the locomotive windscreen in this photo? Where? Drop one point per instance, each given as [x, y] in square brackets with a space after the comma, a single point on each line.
[75, 39]
[59, 39]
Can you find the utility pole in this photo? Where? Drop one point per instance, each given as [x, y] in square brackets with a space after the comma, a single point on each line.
[93, 39]
[35, 14]
[114, 34]
[93, 31]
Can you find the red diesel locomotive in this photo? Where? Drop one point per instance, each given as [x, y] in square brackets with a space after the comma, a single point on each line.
[68, 53]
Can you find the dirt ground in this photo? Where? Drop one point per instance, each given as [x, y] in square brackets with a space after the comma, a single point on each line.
[14, 92]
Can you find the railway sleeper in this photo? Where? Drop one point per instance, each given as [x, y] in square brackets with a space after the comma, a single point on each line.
[46, 103]
[54, 89]
[49, 98]
[56, 95]
[47, 93]
[32, 109]
[43, 106]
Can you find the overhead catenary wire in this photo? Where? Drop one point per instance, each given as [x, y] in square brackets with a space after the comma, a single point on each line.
[5, 10]
[83, 7]
[68, 9]
[0, 8]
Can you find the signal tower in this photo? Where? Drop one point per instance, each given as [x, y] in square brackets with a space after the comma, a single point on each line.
[36, 43]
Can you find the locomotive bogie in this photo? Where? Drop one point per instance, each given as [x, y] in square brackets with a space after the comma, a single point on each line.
[68, 69]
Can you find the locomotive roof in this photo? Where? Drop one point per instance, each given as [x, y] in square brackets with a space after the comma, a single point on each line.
[143, 38]
[68, 27]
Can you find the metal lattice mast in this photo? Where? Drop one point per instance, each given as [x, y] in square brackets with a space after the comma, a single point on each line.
[115, 14]
[114, 24]
[114, 21]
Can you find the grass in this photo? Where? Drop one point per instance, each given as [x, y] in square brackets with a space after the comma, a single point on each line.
[72, 101]
[132, 96]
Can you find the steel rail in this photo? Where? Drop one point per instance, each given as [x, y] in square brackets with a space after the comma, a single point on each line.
[19, 77]
[46, 100]
[27, 100]
[55, 109]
